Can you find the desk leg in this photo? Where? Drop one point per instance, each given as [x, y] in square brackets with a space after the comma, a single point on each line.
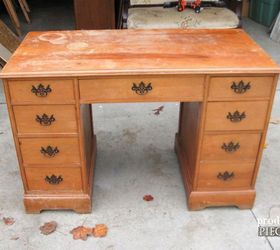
[188, 144]
[80, 202]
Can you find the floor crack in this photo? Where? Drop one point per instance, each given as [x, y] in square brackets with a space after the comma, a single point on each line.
[256, 219]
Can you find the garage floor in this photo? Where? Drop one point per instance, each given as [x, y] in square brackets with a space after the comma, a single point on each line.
[136, 157]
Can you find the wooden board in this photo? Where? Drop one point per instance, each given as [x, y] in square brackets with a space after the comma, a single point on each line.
[82, 53]
[94, 14]
[7, 38]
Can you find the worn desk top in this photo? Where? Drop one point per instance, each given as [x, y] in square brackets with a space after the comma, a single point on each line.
[113, 52]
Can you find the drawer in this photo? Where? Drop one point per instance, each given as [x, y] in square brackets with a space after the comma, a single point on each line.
[48, 151]
[221, 176]
[137, 89]
[230, 147]
[45, 119]
[53, 179]
[236, 115]
[222, 88]
[41, 91]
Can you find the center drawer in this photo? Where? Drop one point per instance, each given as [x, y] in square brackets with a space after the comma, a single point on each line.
[49, 151]
[137, 89]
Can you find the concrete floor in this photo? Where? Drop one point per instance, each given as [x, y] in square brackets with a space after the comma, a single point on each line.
[136, 157]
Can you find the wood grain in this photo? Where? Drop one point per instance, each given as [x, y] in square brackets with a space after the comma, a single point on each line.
[64, 115]
[167, 88]
[247, 151]
[94, 14]
[220, 88]
[62, 91]
[115, 52]
[207, 179]
[217, 112]
[68, 151]
[72, 180]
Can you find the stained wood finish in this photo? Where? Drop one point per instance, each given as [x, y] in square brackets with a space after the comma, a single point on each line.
[218, 147]
[168, 88]
[243, 199]
[106, 52]
[27, 120]
[208, 176]
[217, 113]
[61, 91]
[189, 66]
[94, 14]
[71, 179]
[34, 151]
[221, 88]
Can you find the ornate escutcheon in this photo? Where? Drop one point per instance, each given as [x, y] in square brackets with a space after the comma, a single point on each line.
[225, 176]
[241, 87]
[45, 120]
[54, 180]
[49, 151]
[236, 116]
[230, 147]
[41, 90]
[142, 88]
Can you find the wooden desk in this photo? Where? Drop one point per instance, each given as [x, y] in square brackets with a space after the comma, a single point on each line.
[224, 81]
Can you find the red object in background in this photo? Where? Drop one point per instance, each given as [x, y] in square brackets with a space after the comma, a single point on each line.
[195, 4]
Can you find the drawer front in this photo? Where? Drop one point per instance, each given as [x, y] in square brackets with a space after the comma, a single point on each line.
[54, 179]
[236, 115]
[141, 89]
[221, 176]
[48, 151]
[230, 147]
[222, 88]
[41, 91]
[45, 119]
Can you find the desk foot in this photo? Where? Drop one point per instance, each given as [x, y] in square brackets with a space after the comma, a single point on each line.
[79, 203]
[198, 200]
[243, 199]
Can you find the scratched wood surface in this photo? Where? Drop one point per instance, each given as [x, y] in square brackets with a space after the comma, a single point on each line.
[81, 53]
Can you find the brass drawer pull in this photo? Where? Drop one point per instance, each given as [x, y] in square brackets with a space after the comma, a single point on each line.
[225, 176]
[54, 180]
[45, 120]
[142, 88]
[241, 87]
[49, 151]
[230, 147]
[236, 116]
[41, 90]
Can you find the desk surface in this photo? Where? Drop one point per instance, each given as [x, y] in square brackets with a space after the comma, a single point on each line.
[115, 52]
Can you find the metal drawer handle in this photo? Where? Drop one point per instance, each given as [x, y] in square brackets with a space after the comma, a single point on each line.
[241, 87]
[142, 88]
[45, 120]
[230, 147]
[225, 176]
[41, 90]
[236, 116]
[49, 152]
[54, 180]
